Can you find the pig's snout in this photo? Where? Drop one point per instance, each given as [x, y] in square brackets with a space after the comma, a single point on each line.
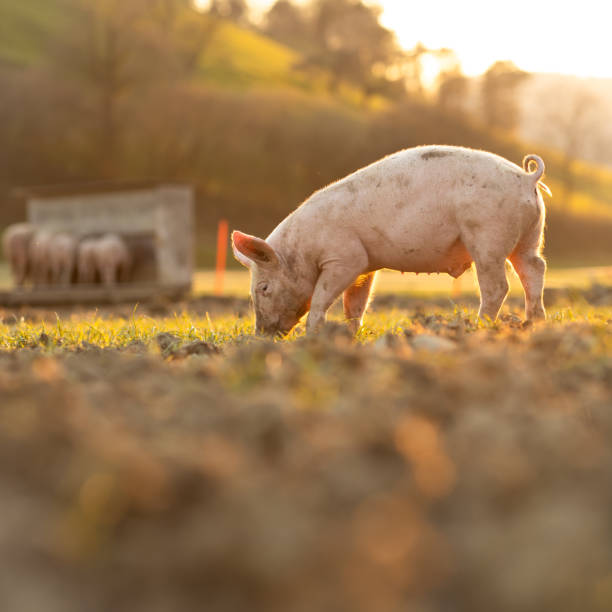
[272, 332]
[267, 329]
[276, 329]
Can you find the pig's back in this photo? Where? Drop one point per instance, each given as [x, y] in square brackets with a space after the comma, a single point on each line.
[417, 184]
[407, 208]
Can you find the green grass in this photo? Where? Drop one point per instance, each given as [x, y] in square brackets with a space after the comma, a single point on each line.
[88, 331]
[119, 332]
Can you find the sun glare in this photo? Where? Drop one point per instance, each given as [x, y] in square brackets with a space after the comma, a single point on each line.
[538, 37]
[544, 36]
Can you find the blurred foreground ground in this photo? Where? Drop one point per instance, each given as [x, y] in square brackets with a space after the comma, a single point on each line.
[443, 466]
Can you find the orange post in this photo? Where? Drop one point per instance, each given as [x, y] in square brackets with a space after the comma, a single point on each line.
[222, 236]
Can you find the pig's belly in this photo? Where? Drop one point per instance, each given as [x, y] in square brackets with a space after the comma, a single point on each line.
[435, 250]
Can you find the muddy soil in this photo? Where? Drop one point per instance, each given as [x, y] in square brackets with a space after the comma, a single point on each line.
[442, 468]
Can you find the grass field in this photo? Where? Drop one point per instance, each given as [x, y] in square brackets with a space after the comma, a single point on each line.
[160, 461]
[103, 330]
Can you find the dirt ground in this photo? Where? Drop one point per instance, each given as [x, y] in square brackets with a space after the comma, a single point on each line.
[445, 467]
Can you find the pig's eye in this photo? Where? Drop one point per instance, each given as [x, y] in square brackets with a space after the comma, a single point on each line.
[264, 289]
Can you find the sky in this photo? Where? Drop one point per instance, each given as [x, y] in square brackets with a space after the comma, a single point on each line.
[537, 35]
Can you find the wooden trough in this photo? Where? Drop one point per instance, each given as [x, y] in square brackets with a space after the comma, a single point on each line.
[155, 220]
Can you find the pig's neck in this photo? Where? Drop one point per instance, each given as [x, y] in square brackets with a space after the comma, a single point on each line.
[289, 241]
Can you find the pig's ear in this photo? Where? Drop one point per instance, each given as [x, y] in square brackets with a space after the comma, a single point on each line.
[245, 261]
[250, 249]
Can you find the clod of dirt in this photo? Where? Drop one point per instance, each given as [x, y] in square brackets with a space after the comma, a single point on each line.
[511, 319]
[88, 346]
[599, 295]
[199, 347]
[167, 341]
[333, 329]
[393, 342]
[433, 344]
[136, 346]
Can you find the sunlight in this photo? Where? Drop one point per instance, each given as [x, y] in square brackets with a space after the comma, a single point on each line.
[538, 37]
[546, 36]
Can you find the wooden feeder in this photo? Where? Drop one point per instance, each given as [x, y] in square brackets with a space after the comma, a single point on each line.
[155, 220]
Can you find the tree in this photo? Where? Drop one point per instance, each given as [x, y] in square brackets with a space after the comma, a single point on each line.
[452, 92]
[114, 49]
[499, 104]
[184, 32]
[571, 119]
[452, 85]
[234, 10]
[102, 51]
[288, 24]
[351, 42]
[344, 37]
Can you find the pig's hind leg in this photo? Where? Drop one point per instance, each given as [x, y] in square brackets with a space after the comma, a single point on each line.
[493, 284]
[356, 299]
[531, 268]
[489, 242]
[489, 256]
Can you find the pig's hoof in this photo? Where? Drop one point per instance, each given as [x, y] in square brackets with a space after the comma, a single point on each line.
[538, 315]
[353, 325]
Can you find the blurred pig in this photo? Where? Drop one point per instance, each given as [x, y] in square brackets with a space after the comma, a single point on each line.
[86, 261]
[62, 253]
[113, 260]
[16, 246]
[425, 209]
[39, 250]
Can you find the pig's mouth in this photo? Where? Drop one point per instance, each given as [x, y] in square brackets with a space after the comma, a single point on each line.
[274, 332]
[276, 329]
[270, 329]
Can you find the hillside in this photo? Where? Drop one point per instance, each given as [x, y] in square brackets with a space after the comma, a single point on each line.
[254, 135]
[26, 28]
[236, 57]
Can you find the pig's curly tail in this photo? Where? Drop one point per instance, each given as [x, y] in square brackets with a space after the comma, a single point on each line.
[538, 172]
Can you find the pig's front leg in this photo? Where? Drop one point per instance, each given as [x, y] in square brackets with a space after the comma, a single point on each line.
[332, 281]
[356, 299]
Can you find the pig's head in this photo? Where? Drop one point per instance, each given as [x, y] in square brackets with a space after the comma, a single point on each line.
[279, 299]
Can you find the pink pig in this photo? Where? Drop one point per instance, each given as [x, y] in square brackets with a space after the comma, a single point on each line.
[425, 209]
[16, 245]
